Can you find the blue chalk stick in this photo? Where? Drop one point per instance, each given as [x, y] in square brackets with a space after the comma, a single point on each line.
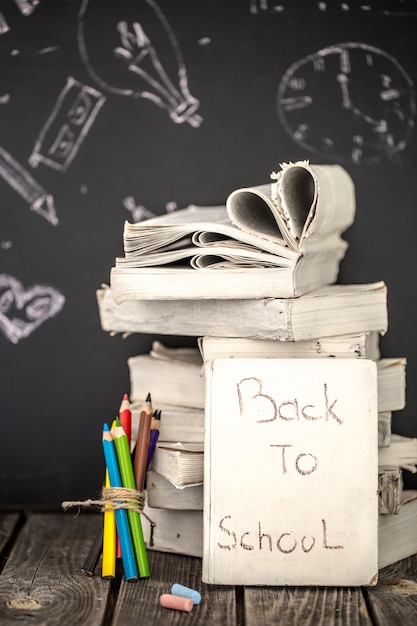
[186, 592]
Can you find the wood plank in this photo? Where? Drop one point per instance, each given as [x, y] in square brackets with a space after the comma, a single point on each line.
[8, 522]
[394, 599]
[42, 580]
[315, 606]
[42, 583]
[140, 600]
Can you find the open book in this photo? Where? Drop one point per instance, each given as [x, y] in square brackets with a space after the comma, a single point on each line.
[279, 239]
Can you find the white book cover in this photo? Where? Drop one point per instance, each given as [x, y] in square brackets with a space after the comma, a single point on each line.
[325, 312]
[291, 472]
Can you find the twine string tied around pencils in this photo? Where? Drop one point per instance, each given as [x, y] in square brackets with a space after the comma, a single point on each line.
[113, 498]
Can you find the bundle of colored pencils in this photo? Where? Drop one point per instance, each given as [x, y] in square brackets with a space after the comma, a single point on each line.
[121, 534]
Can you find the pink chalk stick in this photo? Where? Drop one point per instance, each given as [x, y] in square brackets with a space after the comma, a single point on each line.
[168, 601]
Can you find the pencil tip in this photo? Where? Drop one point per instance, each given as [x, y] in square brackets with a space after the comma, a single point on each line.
[126, 397]
[148, 398]
[106, 427]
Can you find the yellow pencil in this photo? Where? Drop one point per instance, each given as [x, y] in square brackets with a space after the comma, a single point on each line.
[108, 566]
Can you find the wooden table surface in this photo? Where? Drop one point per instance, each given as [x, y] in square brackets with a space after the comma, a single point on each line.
[41, 584]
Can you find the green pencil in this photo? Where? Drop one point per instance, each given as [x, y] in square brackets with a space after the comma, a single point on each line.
[128, 480]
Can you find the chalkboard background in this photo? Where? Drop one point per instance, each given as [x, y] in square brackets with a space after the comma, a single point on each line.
[87, 142]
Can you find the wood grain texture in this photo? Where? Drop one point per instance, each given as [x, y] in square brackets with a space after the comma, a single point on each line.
[394, 599]
[309, 606]
[42, 583]
[141, 600]
[8, 523]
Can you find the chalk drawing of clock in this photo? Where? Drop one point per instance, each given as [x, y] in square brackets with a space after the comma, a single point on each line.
[349, 101]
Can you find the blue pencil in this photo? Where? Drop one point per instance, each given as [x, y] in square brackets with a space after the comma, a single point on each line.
[122, 523]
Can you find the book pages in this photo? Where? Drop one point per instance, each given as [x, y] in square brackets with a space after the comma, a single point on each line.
[282, 239]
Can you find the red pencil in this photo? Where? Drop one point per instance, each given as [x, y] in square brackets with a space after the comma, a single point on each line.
[125, 417]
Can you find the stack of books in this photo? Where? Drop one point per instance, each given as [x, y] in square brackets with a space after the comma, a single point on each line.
[255, 282]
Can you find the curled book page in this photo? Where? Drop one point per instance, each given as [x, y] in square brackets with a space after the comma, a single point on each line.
[315, 198]
[296, 188]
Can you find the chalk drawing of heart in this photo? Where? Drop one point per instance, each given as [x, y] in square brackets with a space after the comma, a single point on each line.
[23, 310]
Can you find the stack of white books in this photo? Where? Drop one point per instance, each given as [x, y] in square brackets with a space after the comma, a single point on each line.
[255, 283]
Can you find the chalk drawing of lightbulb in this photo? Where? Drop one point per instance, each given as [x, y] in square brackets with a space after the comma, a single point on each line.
[121, 57]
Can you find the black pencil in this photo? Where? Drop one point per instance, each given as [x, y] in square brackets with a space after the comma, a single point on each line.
[94, 554]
